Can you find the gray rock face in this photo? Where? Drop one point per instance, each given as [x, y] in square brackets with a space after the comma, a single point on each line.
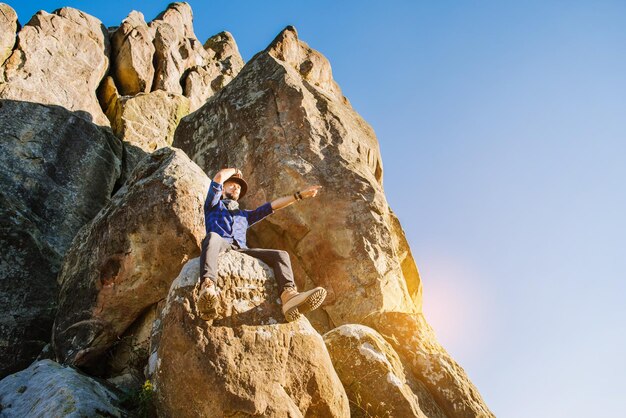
[47, 389]
[8, 29]
[28, 288]
[249, 361]
[63, 168]
[126, 258]
[57, 171]
[60, 59]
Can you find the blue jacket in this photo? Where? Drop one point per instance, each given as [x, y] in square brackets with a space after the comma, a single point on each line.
[230, 225]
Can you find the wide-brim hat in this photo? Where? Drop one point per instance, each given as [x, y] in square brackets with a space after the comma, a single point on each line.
[237, 178]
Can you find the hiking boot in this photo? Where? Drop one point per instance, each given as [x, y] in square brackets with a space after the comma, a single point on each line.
[207, 300]
[295, 304]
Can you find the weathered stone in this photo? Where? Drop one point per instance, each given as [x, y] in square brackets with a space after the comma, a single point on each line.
[125, 259]
[47, 389]
[57, 171]
[375, 380]
[8, 29]
[60, 59]
[147, 120]
[62, 167]
[248, 362]
[182, 64]
[132, 51]
[128, 356]
[414, 340]
[169, 64]
[177, 48]
[224, 64]
[28, 288]
[283, 118]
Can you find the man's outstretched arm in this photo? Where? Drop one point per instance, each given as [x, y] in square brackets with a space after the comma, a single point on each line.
[266, 209]
[285, 201]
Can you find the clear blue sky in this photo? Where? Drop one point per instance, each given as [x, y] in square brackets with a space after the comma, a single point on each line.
[502, 126]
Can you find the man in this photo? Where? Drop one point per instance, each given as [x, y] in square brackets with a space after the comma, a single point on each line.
[226, 227]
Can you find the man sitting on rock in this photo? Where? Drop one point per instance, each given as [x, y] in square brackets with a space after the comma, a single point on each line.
[226, 227]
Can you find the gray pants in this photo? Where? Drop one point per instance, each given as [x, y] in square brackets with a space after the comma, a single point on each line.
[213, 245]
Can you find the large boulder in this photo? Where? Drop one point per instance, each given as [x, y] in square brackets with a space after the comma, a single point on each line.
[132, 51]
[8, 29]
[60, 59]
[375, 379]
[414, 340]
[47, 389]
[124, 261]
[224, 64]
[147, 120]
[248, 362]
[57, 171]
[284, 118]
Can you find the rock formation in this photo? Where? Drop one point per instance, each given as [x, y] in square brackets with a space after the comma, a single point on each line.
[147, 120]
[202, 82]
[414, 340]
[177, 48]
[57, 171]
[131, 52]
[284, 113]
[126, 258]
[374, 377]
[8, 30]
[284, 118]
[248, 362]
[82, 108]
[60, 59]
[47, 389]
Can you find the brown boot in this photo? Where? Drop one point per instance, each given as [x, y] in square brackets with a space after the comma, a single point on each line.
[207, 300]
[295, 304]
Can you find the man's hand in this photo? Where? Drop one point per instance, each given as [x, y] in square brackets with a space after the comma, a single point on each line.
[310, 191]
[226, 173]
[284, 201]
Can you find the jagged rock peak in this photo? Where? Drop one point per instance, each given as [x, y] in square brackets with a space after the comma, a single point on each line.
[223, 64]
[135, 18]
[180, 16]
[8, 29]
[312, 65]
[222, 44]
[60, 59]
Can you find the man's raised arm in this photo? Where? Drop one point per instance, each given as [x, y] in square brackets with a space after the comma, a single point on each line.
[215, 189]
[224, 174]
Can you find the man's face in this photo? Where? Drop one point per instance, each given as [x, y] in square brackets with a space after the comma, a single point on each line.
[231, 190]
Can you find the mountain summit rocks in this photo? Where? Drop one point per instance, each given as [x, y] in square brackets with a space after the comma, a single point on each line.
[284, 118]
[109, 137]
